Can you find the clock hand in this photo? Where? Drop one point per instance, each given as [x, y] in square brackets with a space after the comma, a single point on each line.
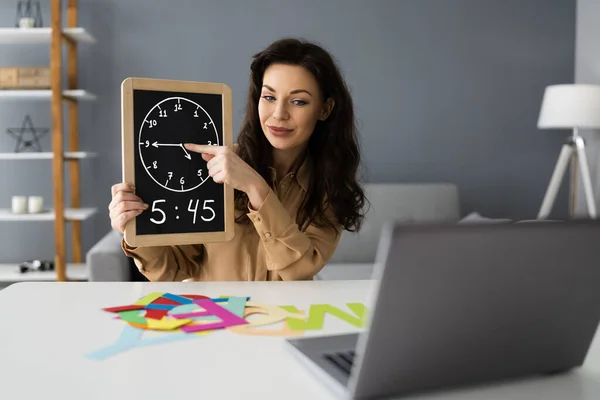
[156, 144]
[187, 155]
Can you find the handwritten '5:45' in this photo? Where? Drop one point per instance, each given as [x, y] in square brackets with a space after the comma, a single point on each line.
[194, 210]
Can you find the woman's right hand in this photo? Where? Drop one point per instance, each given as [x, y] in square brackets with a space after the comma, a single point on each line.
[124, 206]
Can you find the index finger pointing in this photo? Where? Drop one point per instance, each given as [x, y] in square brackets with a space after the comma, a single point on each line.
[202, 148]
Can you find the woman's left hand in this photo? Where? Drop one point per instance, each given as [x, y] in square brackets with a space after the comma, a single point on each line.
[225, 166]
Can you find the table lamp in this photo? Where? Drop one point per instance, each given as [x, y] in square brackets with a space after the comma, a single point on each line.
[571, 106]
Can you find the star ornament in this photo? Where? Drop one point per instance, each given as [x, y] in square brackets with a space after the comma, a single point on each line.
[27, 136]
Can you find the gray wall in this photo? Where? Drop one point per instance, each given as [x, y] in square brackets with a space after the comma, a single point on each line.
[445, 90]
[587, 70]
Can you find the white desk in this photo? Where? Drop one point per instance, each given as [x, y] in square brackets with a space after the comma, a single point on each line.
[47, 328]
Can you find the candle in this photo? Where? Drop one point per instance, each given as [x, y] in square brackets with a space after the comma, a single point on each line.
[35, 204]
[19, 204]
[26, 22]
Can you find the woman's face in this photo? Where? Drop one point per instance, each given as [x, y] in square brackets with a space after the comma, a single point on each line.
[290, 105]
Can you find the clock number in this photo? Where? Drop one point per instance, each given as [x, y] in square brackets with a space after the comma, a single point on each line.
[196, 113]
[209, 143]
[194, 210]
[147, 143]
[162, 113]
[205, 126]
[158, 210]
[155, 164]
[177, 107]
[182, 181]
[152, 123]
[170, 175]
[200, 172]
[205, 207]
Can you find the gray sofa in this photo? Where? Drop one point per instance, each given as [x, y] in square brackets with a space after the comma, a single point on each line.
[354, 257]
[106, 262]
[409, 203]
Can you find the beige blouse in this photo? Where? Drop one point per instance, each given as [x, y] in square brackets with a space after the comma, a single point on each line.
[270, 248]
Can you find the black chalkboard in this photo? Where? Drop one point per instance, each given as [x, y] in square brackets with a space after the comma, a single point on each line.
[185, 204]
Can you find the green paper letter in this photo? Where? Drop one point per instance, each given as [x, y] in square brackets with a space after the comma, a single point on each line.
[316, 316]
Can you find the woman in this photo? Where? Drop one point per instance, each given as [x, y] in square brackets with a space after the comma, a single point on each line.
[294, 174]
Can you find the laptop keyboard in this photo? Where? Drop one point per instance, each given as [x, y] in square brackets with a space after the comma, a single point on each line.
[342, 360]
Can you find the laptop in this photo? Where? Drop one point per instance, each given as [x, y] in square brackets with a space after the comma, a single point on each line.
[456, 305]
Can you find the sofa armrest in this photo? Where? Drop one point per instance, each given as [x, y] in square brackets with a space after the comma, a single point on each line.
[106, 261]
[346, 271]
[402, 202]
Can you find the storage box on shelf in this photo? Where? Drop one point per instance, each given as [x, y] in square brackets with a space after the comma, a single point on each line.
[24, 78]
[46, 84]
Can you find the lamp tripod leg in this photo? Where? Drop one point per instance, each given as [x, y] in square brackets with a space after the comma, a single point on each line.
[557, 176]
[585, 176]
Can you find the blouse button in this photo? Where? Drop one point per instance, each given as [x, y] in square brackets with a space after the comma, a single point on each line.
[283, 185]
[268, 235]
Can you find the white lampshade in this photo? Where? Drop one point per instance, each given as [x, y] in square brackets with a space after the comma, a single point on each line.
[570, 106]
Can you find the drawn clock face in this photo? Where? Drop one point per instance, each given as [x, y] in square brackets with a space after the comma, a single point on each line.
[166, 128]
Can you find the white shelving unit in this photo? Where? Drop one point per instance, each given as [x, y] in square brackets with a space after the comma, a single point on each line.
[63, 90]
[42, 35]
[32, 94]
[71, 214]
[9, 273]
[69, 155]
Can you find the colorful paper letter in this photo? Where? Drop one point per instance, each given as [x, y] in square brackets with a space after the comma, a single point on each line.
[316, 316]
[272, 315]
[149, 298]
[131, 338]
[235, 305]
[177, 299]
[132, 316]
[227, 318]
[154, 306]
[123, 308]
[156, 314]
[167, 324]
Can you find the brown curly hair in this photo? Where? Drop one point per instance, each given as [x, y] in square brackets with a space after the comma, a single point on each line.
[333, 146]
